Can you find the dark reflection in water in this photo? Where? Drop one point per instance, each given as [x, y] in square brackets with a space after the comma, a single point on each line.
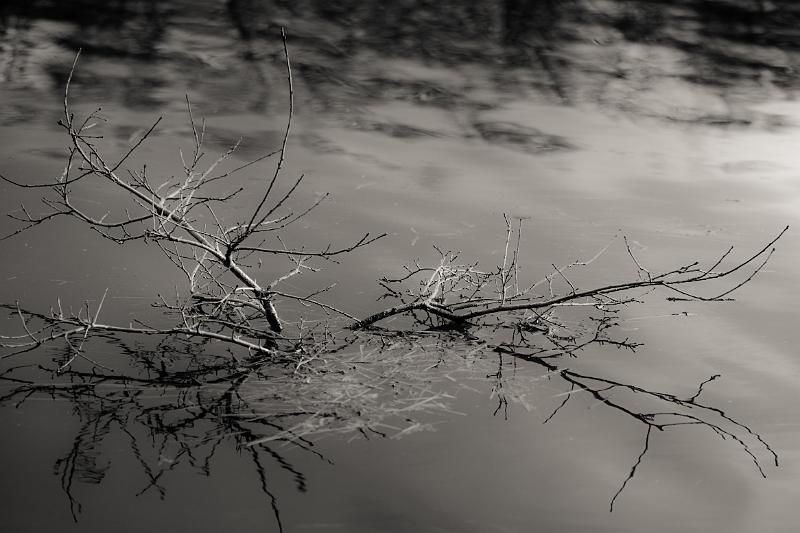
[561, 48]
[118, 29]
[177, 407]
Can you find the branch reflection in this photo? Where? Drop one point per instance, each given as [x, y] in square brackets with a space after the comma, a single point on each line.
[177, 405]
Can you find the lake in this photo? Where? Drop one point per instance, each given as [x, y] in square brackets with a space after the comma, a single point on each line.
[673, 123]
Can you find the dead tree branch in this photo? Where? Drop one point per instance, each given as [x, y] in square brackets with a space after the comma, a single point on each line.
[460, 294]
[223, 300]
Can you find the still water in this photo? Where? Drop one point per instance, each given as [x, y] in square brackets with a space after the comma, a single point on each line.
[674, 122]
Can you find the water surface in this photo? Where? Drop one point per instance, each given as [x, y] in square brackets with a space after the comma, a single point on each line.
[675, 122]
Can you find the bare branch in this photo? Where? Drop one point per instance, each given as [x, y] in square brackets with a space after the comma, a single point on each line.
[279, 165]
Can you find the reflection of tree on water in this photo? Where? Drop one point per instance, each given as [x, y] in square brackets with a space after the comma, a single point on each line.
[682, 61]
[532, 32]
[177, 406]
[436, 30]
[113, 31]
[123, 28]
[614, 54]
[171, 420]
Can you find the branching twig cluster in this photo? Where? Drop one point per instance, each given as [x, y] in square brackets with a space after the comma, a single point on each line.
[218, 258]
[462, 294]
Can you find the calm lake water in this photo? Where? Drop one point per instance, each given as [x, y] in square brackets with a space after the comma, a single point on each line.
[675, 122]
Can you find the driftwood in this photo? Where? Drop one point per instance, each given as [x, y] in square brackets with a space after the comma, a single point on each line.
[220, 258]
[223, 302]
